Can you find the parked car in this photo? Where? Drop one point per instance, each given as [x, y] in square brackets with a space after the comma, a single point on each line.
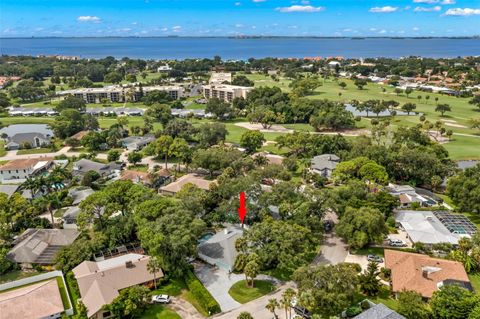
[161, 299]
[302, 312]
[397, 243]
[375, 258]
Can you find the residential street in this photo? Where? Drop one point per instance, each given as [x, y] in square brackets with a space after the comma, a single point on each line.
[333, 250]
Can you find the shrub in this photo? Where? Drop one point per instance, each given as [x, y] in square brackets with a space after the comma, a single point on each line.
[353, 311]
[201, 294]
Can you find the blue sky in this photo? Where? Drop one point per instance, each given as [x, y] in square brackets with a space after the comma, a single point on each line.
[239, 17]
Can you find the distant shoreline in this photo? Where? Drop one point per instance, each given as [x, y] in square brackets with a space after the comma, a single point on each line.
[477, 37]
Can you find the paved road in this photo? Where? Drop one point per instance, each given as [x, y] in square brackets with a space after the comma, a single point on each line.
[257, 307]
[333, 250]
[12, 155]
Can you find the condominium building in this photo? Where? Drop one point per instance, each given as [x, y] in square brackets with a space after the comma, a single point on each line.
[220, 78]
[118, 93]
[225, 92]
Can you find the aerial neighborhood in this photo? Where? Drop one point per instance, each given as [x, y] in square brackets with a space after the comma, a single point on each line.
[123, 182]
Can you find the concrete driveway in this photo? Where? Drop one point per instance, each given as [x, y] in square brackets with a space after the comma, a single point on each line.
[257, 307]
[333, 251]
[362, 261]
[218, 283]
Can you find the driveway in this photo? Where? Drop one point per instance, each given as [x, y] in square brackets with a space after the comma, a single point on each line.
[184, 309]
[333, 251]
[362, 261]
[218, 283]
[257, 307]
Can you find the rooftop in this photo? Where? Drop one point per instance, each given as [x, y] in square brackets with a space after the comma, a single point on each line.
[40, 245]
[220, 248]
[422, 273]
[24, 163]
[194, 179]
[379, 311]
[99, 282]
[325, 161]
[425, 227]
[39, 300]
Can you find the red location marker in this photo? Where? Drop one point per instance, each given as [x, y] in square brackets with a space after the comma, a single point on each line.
[242, 210]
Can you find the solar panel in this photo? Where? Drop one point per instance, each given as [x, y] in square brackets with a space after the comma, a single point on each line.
[456, 223]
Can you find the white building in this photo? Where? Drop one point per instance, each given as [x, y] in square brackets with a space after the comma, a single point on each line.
[118, 93]
[220, 78]
[225, 92]
[19, 170]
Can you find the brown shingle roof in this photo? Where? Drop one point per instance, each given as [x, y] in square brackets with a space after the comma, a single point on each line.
[34, 301]
[22, 163]
[194, 179]
[421, 273]
[99, 282]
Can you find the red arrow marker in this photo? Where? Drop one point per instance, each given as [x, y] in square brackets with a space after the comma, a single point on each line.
[242, 210]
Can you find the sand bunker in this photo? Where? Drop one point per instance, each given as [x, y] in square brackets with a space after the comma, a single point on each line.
[258, 127]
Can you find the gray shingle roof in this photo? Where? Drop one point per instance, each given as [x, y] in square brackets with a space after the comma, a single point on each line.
[324, 161]
[379, 311]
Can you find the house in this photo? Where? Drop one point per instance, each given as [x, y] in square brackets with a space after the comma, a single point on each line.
[219, 249]
[379, 311]
[272, 159]
[100, 282]
[409, 195]
[16, 171]
[78, 136]
[81, 167]
[423, 274]
[78, 194]
[176, 186]
[69, 217]
[136, 143]
[434, 227]
[35, 297]
[147, 179]
[38, 246]
[324, 164]
[27, 140]
[9, 189]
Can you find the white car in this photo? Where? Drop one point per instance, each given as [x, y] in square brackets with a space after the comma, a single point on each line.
[161, 299]
[397, 243]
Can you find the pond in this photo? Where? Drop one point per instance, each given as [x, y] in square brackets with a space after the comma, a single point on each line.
[354, 111]
[26, 128]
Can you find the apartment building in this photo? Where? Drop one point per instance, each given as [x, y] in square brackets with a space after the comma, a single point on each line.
[118, 93]
[220, 78]
[225, 92]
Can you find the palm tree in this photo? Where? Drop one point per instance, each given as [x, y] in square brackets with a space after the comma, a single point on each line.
[272, 305]
[289, 294]
[49, 202]
[153, 267]
[285, 304]
[31, 184]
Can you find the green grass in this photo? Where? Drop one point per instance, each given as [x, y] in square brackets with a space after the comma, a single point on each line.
[3, 151]
[159, 312]
[59, 212]
[386, 298]
[475, 281]
[172, 287]
[138, 167]
[72, 288]
[243, 294]
[188, 296]
[63, 293]
[369, 251]
[40, 150]
[283, 275]
[16, 275]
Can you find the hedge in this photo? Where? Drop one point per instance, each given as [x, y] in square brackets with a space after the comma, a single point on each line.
[202, 295]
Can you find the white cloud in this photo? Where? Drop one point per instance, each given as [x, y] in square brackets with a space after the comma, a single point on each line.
[382, 31]
[430, 9]
[239, 25]
[93, 19]
[373, 29]
[462, 12]
[176, 28]
[386, 9]
[446, 2]
[415, 28]
[259, 1]
[297, 8]
[238, 4]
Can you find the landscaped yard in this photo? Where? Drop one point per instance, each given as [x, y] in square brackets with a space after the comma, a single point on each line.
[159, 312]
[369, 251]
[41, 150]
[16, 275]
[243, 294]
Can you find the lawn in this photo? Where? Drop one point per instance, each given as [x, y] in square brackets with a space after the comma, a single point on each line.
[475, 281]
[3, 151]
[386, 298]
[16, 275]
[40, 150]
[159, 312]
[138, 168]
[172, 287]
[243, 294]
[63, 293]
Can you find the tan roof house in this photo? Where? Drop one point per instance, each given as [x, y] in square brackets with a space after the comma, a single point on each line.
[195, 179]
[39, 300]
[422, 273]
[100, 282]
